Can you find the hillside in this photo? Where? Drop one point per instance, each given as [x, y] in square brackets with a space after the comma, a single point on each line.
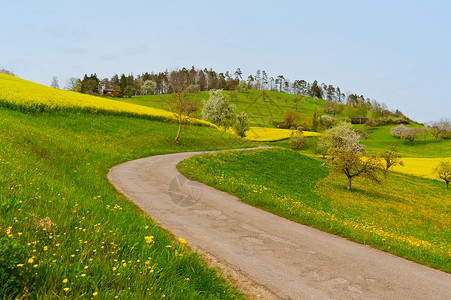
[64, 230]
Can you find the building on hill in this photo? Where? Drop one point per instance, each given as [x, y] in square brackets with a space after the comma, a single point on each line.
[109, 92]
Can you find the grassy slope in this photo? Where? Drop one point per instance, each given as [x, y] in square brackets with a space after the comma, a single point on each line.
[252, 102]
[54, 165]
[407, 216]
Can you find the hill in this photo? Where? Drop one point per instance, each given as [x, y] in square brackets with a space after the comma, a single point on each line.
[64, 230]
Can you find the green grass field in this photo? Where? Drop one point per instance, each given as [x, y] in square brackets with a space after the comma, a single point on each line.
[407, 216]
[261, 106]
[66, 232]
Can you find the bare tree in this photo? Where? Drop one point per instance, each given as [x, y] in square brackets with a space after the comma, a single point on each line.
[181, 106]
[443, 170]
[439, 128]
[55, 83]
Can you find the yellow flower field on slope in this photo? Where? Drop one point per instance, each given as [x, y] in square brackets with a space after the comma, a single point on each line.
[26, 93]
[265, 134]
[419, 166]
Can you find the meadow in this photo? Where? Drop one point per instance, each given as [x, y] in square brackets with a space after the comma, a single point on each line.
[263, 107]
[65, 232]
[408, 216]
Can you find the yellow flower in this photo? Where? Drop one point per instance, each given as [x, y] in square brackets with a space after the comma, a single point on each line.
[30, 260]
[181, 240]
[94, 294]
[65, 280]
[66, 289]
[83, 275]
[149, 239]
[19, 265]
[45, 248]
[147, 227]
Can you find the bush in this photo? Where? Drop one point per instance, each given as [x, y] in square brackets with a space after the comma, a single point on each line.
[397, 131]
[288, 119]
[241, 124]
[370, 124]
[11, 276]
[297, 142]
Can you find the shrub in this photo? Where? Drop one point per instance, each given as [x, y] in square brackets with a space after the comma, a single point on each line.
[370, 124]
[297, 142]
[327, 122]
[396, 131]
[241, 124]
[288, 120]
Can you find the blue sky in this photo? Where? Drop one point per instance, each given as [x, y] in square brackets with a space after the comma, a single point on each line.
[397, 52]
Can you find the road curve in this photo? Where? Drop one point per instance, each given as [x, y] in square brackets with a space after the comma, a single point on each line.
[291, 260]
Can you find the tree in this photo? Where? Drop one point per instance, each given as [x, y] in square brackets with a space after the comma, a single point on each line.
[288, 119]
[181, 105]
[443, 170]
[149, 87]
[55, 83]
[71, 84]
[241, 124]
[396, 131]
[242, 86]
[439, 128]
[217, 110]
[348, 156]
[410, 133]
[391, 157]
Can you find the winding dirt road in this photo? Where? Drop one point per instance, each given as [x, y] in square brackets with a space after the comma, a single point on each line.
[291, 260]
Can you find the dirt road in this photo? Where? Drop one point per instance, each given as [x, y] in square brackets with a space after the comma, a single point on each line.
[291, 260]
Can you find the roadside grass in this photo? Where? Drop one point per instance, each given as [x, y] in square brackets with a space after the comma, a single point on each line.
[407, 216]
[65, 232]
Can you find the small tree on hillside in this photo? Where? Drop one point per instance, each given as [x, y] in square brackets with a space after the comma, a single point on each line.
[289, 119]
[410, 133]
[391, 157]
[55, 83]
[218, 111]
[396, 131]
[241, 124]
[439, 128]
[348, 156]
[443, 170]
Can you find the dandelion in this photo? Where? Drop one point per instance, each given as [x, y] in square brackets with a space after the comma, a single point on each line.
[30, 260]
[83, 275]
[65, 280]
[94, 294]
[45, 248]
[181, 240]
[149, 239]
[19, 265]
[66, 289]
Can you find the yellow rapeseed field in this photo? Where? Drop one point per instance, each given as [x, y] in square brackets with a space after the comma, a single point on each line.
[420, 166]
[29, 94]
[265, 134]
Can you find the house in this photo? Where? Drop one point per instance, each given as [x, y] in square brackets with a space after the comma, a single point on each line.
[109, 92]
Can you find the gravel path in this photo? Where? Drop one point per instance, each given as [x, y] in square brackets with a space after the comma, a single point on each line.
[291, 260]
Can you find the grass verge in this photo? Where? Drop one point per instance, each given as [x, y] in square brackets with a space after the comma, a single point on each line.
[66, 232]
